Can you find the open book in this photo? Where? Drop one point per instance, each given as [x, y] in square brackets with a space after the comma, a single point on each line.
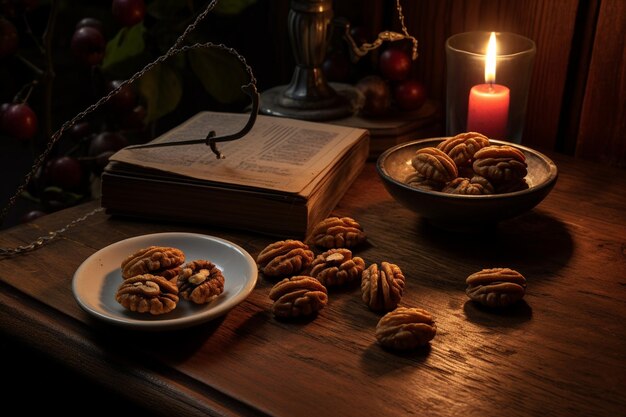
[281, 178]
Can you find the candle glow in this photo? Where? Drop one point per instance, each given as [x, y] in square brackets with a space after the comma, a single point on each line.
[488, 108]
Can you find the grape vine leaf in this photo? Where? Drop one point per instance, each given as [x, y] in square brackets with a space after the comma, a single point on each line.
[222, 75]
[161, 88]
[128, 43]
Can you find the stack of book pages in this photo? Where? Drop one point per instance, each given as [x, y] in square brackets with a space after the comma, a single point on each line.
[281, 178]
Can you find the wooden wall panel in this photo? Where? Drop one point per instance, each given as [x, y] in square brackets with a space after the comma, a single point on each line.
[602, 129]
[549, 23]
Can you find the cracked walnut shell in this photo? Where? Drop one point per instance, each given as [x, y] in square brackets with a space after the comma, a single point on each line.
[337, 232]
[405, 328]
[337, 267]
[284, 258]
[382, 288]
[148, 294]
[434, 164]
[200, 281]
[496, 287]
[155, 260]
[298, 296]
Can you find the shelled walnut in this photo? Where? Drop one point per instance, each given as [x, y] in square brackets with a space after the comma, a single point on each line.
[284, 258]
[465, 186]
[148, 294]
[416, 180]
[500, 164]
[298, 296]
[337, 232]
[337, 267]
[405, 328]
[434, 164]
[200, 281]
[155, 260]
[382, 288]
[462, 147]
[496, 287]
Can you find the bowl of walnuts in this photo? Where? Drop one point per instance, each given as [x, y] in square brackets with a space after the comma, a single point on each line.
[467, 181]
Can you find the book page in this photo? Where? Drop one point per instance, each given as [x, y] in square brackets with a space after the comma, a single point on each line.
[278, 153]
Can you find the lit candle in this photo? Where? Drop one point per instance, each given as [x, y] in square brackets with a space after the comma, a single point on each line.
[488, 109]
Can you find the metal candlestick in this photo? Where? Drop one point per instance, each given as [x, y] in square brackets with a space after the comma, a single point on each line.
[308, 96]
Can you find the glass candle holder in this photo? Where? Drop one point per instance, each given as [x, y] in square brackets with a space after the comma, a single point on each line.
[492, 103]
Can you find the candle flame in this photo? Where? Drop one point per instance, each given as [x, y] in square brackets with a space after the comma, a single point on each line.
[490, 60]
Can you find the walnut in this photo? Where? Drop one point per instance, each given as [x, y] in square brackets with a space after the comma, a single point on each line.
[496, 287]
[510, 187]
[284, 258]
[337, 267]
[405, 328]
[416, 180]
[337, 232]
[434, 164]
[462, 147]
[200, 281]
[500, 164]
[382, 288]
[148, 293]
[465, 186]
[155, 260]
[298, 296]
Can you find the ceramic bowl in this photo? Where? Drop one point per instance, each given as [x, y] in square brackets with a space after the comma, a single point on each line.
[464, 212]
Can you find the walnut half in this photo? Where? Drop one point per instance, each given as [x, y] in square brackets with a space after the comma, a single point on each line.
[496, 287]
[284, 258]
[155, 260]
[337, 267]
[148, 294]
[382, 288]
[298, 296]
[337, 232]
[200, 281]
[405, 328]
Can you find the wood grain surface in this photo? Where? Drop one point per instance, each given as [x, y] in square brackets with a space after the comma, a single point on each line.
[560, 352]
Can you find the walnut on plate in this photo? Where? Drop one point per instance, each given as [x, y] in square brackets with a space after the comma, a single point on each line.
[155, 260]
[200, 281]
[496, 287]
[434, 164]
[405, 328]
[382, 288]
[298, 296]
[284, 258]
[337, 267]
[337, 232]
[148, 293]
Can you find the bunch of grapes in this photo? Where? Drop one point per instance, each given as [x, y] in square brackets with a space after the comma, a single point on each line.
[388, 84]
[66, 177]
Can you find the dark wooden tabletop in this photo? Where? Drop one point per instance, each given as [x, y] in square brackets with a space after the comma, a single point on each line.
[559, 352]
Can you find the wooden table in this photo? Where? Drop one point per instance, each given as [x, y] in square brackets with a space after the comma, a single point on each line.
[560, 352]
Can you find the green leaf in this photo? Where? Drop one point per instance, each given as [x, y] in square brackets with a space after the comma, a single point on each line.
[161, 87]
[127, 44]
[231, 7]
[221, 73]
[166, 9]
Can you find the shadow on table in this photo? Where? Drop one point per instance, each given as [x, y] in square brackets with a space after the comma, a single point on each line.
[536, 244]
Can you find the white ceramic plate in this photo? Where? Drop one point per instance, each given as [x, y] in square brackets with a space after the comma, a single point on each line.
[97, 279]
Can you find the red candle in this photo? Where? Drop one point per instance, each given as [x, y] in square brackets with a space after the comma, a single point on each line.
[488, 107]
